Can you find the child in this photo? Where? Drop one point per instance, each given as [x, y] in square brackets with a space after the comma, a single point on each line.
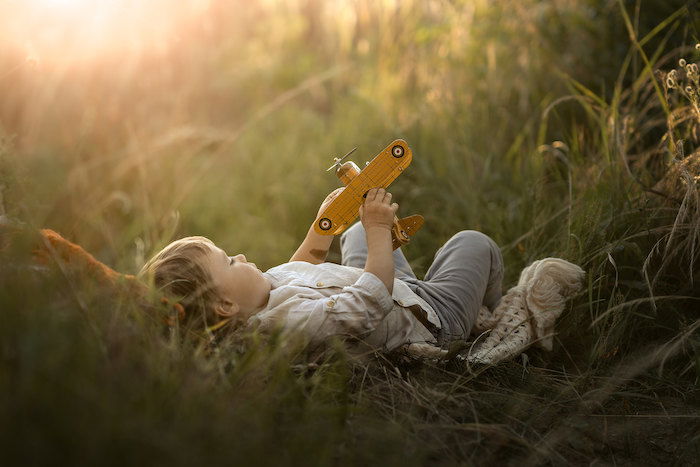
[373, 295]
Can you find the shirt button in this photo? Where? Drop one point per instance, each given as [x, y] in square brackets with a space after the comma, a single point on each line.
[330, 303]
[319, 284]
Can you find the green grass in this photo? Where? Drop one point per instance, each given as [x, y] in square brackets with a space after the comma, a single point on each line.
[542, 124]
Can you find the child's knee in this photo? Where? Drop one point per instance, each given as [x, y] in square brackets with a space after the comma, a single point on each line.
[474, 237]
[355, 231]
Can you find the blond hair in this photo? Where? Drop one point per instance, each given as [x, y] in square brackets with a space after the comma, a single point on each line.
[178, 270]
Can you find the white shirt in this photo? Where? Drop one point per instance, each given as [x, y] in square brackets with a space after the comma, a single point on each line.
[324, 300]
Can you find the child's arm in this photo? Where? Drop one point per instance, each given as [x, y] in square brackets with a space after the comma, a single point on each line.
[357, 309]
[314, 248]
[377, 216]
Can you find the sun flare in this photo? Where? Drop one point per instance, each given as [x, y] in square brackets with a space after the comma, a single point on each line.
[59, 30]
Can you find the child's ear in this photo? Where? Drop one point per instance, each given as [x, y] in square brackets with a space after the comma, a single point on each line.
[226, 308]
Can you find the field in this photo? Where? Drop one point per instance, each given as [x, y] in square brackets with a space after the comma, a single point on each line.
[566, 128]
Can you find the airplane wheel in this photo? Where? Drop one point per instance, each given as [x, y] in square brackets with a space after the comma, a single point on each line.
[397, 151]
[325, 223]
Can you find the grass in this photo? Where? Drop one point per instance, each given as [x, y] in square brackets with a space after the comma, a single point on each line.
[533, 122]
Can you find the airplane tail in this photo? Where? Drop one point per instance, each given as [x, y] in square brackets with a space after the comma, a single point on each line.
[405, 228]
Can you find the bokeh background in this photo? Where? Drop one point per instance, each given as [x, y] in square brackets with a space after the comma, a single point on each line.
[556, 127]
[140, 121]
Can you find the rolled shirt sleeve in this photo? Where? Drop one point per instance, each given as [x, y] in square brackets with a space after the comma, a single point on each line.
[356, 310]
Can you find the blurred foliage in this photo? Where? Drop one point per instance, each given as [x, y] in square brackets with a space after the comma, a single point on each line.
[223, 128]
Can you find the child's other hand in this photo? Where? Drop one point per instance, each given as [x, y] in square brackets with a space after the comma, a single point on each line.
[378, 210]
[329, 199]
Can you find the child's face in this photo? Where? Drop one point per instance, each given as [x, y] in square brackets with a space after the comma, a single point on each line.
[238, 281]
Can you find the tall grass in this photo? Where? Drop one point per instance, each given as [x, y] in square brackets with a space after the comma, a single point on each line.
[550, 126]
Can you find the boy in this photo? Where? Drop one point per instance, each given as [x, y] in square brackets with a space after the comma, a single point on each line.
[373, 295]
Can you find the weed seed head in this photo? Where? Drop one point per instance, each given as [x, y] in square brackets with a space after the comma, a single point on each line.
[562, 146]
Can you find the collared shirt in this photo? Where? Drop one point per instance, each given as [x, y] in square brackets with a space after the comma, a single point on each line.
[324, 300]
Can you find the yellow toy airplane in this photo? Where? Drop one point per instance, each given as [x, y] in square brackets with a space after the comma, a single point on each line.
[379, 173]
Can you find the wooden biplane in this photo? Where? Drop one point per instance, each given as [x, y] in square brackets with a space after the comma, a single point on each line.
[379, 173]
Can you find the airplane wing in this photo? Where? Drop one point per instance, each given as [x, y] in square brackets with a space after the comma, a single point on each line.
[379, 173]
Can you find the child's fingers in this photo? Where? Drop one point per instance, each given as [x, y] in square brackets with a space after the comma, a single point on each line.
[370, 195]
[334, 194]
[394, 207]
[381, 195]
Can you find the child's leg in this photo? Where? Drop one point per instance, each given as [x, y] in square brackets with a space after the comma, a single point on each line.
[466, 273]
[353, 249]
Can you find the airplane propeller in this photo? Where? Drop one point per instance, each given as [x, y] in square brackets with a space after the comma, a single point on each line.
[337, 160]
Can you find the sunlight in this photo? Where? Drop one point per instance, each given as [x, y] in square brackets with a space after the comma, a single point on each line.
[65, 3]
[60, 30]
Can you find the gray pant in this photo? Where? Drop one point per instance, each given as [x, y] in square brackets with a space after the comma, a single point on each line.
[466, 273]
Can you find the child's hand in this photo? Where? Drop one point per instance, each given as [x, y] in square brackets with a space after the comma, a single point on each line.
[331, 196]
[314, 248]
[378, 210]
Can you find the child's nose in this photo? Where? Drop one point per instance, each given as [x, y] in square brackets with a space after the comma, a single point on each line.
[241, 258]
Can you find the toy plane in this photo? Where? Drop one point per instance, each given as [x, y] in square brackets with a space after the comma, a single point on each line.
[379, 173]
